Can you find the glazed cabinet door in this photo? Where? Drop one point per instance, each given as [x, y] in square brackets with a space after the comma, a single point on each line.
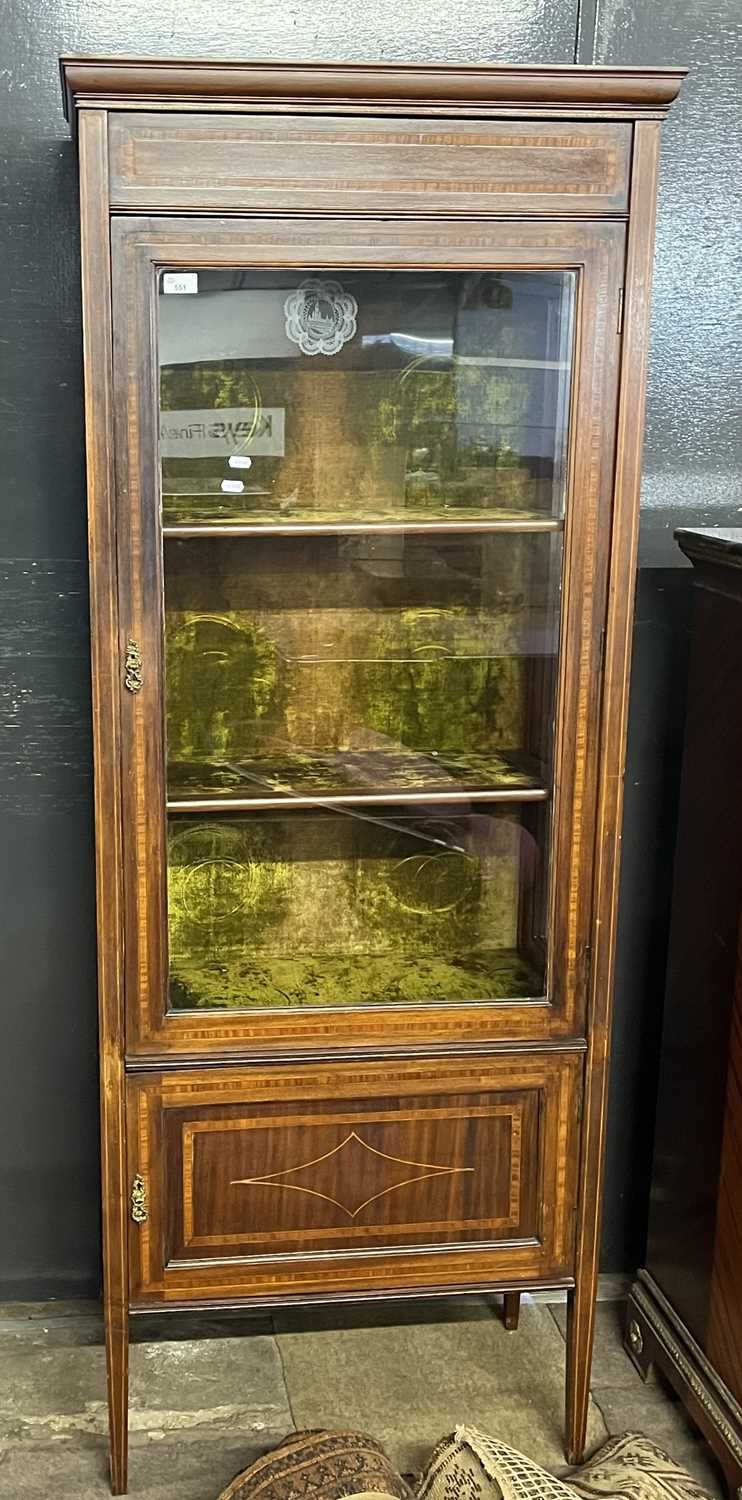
[334, 1179]
[364, 498]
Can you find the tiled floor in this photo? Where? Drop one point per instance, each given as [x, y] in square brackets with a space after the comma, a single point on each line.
[202, 1407]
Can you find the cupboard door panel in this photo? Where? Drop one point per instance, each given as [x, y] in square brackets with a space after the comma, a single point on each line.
[360, 166]
[328, 1178]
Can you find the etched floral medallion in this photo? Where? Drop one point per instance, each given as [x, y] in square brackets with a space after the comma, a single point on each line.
[320, 316]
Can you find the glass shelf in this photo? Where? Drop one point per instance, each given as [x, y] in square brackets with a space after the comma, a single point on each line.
[354, 778]
[409, 522]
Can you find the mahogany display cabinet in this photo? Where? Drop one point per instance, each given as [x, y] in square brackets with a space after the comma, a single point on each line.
[365, 360]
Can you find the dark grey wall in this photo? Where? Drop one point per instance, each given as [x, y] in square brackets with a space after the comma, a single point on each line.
[692, 476]
[48, 1087]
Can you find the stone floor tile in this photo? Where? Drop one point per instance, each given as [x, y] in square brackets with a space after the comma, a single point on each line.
[611, 1363]
[67, 1307]
[223, 1385]
[86, 1327]
[173, 1327]
[157, 1471]
[52, 1333]
[39, 1323]
[408, 1385]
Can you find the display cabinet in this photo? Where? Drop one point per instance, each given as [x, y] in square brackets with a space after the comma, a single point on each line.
[365, 355]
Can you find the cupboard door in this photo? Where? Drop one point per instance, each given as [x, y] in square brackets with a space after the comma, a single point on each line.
[329, 1179]
[365, 483]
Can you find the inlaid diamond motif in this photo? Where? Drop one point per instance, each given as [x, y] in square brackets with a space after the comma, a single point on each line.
[356, 1154]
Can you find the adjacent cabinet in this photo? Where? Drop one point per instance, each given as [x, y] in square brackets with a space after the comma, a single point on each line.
[365, 358]
[684, 1312]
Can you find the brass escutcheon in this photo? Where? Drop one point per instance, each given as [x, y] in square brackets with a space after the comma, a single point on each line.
[133, 666]
[139, 1211]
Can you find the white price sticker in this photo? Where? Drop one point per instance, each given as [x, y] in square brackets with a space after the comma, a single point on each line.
[180, 281]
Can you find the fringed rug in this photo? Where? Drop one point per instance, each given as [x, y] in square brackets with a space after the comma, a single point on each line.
[468, 1465]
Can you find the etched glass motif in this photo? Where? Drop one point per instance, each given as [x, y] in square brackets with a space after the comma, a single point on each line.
[320, 316]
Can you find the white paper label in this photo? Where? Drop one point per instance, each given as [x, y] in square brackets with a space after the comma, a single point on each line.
[180, 281]
[232, 486]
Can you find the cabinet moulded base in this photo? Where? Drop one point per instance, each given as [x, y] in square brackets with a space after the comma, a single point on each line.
[656, 1337]
[503, 1289]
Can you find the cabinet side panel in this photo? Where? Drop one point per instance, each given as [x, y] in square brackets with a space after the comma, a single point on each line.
[725, 1318]
[613, 724]
[618, 637]
[97, 345]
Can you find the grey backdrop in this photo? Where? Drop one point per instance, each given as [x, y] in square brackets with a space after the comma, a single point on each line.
[48, 1089]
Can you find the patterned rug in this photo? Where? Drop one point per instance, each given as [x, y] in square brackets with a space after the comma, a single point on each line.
[321, 1466]
[468, 1465]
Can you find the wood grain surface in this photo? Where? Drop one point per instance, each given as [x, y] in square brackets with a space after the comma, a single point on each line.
[241, 163]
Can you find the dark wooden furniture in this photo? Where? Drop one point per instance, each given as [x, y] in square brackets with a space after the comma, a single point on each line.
[360, 654]
[685, 1310]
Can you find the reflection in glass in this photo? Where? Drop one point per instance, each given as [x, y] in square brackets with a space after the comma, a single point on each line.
[352, 907]
[360, 664]
[445, 396]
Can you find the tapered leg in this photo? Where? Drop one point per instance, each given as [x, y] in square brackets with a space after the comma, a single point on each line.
[117, 1365]
[511, 1310]
[580, 1330]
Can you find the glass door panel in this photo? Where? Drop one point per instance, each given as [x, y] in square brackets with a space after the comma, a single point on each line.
[384, 396]
[363, 487]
